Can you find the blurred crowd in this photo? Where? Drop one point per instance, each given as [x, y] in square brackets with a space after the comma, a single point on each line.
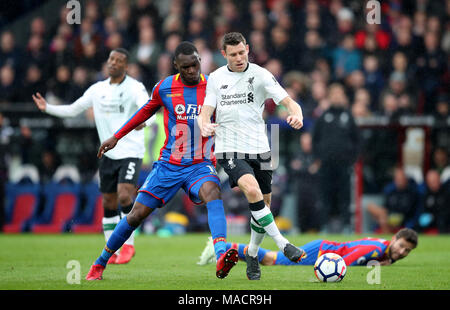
[395, 68]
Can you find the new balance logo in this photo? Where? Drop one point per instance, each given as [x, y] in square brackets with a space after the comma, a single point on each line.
[223, 87]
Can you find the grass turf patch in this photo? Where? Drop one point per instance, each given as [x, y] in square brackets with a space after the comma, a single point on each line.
[39, 262]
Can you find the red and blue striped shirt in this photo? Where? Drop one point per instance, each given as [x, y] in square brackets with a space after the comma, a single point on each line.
[184, 144]
[357, 252]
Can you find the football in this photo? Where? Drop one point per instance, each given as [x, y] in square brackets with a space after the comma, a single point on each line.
[330, 267]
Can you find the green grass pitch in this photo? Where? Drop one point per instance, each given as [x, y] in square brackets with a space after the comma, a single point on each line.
[40, 262]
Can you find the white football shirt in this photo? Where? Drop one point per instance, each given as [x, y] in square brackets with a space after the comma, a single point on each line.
[113, 105]
[239, 101]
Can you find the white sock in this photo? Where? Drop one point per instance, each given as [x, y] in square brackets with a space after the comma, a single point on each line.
[265, 219]
[257, 234]
[109, 223]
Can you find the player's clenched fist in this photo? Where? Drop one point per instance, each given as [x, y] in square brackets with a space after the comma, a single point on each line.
[106, 146]
[295, 121]
[208, 129]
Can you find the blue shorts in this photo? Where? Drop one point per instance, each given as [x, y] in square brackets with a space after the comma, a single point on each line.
[312, 251]
[166, 179]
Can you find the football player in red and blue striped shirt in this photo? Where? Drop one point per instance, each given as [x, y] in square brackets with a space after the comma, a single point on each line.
[357, 252]
[186, 160]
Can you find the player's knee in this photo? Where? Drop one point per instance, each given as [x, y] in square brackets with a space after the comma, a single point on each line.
[109, 204]
[136, 216]
[213, 193]
[209, 191]
[253, 193]
[125, 199]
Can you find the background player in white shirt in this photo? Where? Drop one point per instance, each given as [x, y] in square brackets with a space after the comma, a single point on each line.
[236, 93]
[114, 101]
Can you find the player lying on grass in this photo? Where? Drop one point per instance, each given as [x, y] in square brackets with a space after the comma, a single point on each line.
[357, 252]
[186, 161]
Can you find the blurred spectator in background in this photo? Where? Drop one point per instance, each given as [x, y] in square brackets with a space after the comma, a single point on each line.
[312, 50]
[197, 30]
[173, 21]
[281, 47]
[59, 86]
[336, 145]
[440, 135]
[435, 216]
[389, 106]
[33, 82]
[354, 81]
[361, 104]
[146, 52]
[304, 184]
[37, 53]
[442, 108]
[47, 165]
[300, 84]
[60, 52]
[10, 54]
[400, 63]
[260, 22]
[146, 8]
[345, 22]
[207, 63]
[172, 41]
[38, 27]
[360, 110]
[398, 88]
[9, 88]
[373, 31]
[318, 94]
[164, 68]
[440, 160]
[346, 58]
[402, 204]
[78, 84]
[90, 57]
[121, 10]
[87, 34]
[258, 53]
[403, 40]
[115, 40]
[430, 68]
[374, 80]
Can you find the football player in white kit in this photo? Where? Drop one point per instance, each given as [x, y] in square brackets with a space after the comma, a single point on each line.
[114, 101]
[236, 93]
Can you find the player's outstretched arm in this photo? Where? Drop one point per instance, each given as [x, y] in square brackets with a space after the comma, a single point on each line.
[204, 121]
[66, 110]
[106, 146]
[295, 118]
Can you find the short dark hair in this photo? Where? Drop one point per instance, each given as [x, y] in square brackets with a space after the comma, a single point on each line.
[185, 48]
[122, 51]
[232, 38]
[409, 235]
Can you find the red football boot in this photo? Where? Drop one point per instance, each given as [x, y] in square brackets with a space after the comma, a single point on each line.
[95, 273]
[227, 261]
[126, 253]
[113, 259]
